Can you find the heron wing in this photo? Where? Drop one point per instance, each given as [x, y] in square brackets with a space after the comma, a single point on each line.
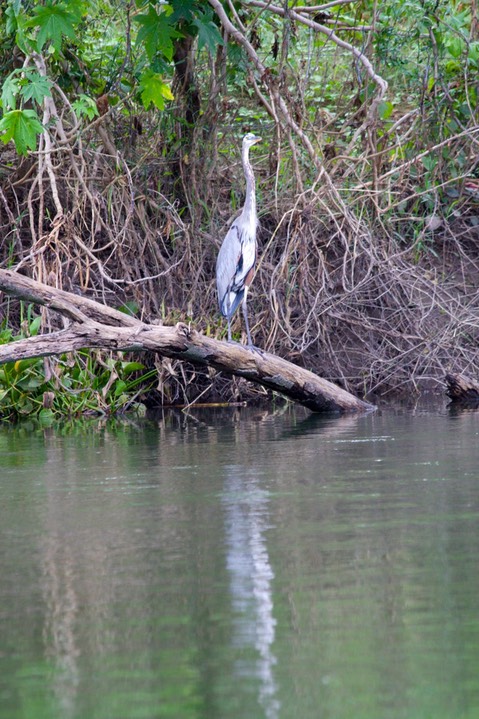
[235, 260]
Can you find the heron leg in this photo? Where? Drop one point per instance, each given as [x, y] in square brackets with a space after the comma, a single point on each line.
[251, 346]
[245, 315]
[228, 316]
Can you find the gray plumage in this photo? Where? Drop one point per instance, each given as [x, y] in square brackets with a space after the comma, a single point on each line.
[237, 255]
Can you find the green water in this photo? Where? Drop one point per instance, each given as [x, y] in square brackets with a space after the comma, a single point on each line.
[241, 565]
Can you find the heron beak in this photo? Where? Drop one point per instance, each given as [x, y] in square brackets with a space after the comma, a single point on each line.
[257, 139]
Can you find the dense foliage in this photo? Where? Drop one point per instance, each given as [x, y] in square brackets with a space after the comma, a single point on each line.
[120, 129]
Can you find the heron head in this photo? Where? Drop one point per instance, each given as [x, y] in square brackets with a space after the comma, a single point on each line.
[250, 139]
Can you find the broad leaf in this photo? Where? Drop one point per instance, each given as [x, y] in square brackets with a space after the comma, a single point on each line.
[129, 367]
[120, 387]
[183, 10]
[429, 162]
[455, 45]
[38, 88]
[10, 90]
[156, 33]
[21, 126]
[85, 107]
[55, 20]
[154, 90]
[11, 13]
[473, 49]
[46, 416]
[35, 326]
[385, 109]
[208, 33]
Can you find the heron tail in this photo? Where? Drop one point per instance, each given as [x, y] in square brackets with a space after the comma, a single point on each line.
[230, 303]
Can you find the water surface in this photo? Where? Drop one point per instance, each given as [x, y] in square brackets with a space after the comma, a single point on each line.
[241, 564]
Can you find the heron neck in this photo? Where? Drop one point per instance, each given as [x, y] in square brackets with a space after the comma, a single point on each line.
[249, 208]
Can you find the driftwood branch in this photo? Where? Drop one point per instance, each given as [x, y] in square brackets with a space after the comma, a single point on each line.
[462, 389]
[95, 325]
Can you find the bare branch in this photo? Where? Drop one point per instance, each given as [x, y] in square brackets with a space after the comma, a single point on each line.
[296, 14]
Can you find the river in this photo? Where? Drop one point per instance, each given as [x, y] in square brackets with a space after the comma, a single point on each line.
[241, 564]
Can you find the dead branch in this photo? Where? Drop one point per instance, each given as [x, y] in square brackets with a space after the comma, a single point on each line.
[93, 325]
[461, 388]
[296, 14]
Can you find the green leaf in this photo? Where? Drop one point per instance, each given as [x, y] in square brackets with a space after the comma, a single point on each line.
[25, 407]
[156, 33]
[385, 109]
[453, 67]
[12, 13]
[130, 307]
[11, 20]
[183, 10]
[38, 88]
[21, 126]
[55, 21]
[5, 336]
[46, 416]
[35, 326]
[154, 90]
[31, 382]
[85, 106]
[473, 52]
[120, 387]
[10, 90]
[208, 33]
[429, 162]
[455, 45]
[129, 367]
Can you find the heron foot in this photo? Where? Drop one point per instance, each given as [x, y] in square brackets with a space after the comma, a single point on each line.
[253, 348]
[247, 346]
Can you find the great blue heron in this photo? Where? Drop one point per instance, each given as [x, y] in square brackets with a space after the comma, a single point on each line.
[237, 255]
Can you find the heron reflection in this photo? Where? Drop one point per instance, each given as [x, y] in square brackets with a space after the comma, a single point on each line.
[251, 576]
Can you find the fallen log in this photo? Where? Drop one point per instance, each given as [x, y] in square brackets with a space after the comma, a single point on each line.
[93, 325]
[461, 388]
